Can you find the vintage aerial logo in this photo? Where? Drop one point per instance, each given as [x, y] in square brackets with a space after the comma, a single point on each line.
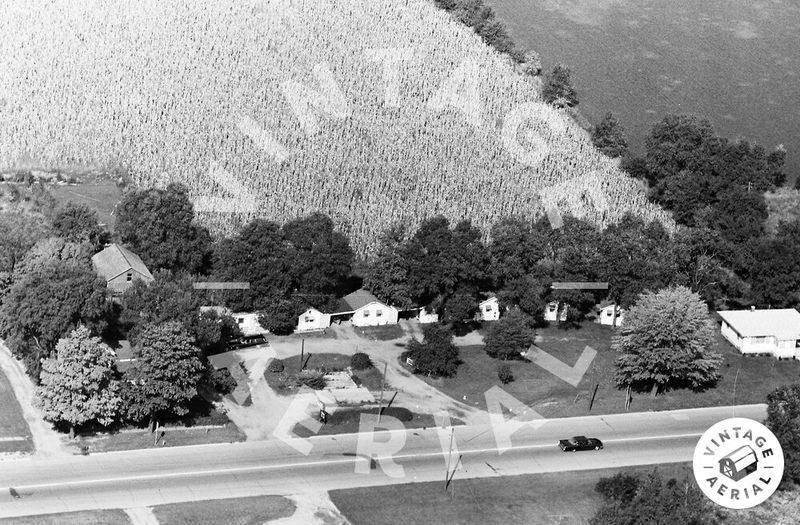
[738, 463]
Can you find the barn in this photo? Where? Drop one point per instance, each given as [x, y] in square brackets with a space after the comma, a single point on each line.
[739, 463]
[775, 332]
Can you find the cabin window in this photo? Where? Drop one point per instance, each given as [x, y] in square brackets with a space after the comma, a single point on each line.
[759, 340]
[609, 312]
[378, 313]
[489, 308]
[240, 320]
[366, 313]
[308, 319]
[129, 277]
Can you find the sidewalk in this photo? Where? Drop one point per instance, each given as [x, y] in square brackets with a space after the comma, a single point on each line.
[46, 441]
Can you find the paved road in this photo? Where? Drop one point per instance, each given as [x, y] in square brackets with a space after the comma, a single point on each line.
[157, 476]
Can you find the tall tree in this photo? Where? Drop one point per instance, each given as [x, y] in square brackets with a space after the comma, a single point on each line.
[77, 384]
[387, 276]
[78, 223]
[667, 339]
[158, 225]
[775, 279]
[509, 336]
[19, 231]
[783, 419]
[165, 373]
[45, 304]
[609, 137]
[558, 89]
[436, 354]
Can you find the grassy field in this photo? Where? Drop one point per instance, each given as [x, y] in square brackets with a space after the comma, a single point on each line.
[387, 332]
[143, 438]
[555, 498]
[12, 421]
[553, 397]
[237, 511]
[84, 517]
[369, 378]
[347, 420]
[101, 197]
[733, 61]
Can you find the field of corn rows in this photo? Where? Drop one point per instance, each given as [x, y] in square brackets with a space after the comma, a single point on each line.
[161, 89]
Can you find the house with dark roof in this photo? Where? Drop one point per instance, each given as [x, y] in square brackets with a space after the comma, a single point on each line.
[364, 309]
[120, 268]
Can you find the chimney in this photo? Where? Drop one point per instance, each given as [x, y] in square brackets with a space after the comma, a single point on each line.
[752, 308]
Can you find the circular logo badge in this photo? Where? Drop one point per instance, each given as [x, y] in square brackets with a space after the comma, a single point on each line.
[738, 463]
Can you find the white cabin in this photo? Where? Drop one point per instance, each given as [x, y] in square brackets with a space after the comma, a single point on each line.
[364, 309]
[312, 320]
[488, 310]
[605, 315]
[555, 311]
[426, 317]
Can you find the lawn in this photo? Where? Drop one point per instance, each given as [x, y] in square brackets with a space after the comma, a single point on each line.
[553, 397]
[387, 332]
[347, 420]
[329, 362]
[101, 197]
[554, 498]
[12, 421]
[84, 517]
[236, 511]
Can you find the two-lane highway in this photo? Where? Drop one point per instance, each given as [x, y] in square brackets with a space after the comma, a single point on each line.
[166, 475]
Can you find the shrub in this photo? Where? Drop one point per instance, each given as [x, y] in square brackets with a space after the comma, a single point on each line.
[504, 373]
[222, 381]
[276, 365]
[311, 378]
[360, 361]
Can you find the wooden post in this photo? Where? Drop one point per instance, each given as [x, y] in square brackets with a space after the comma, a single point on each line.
[591, 402]
[449, 453]
[302, 352]
[383, 385]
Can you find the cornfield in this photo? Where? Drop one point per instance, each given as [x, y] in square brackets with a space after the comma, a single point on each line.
[182, 91]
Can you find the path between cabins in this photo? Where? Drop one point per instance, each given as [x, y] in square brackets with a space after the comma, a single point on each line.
[46, 441]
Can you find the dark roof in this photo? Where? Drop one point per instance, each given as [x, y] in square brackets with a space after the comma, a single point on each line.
[116, 260]
[354, 301]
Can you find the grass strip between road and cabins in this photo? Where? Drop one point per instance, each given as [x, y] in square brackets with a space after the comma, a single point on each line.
[14, 430]
[252, 510]
[565, 497]
[83, 517]
[554, 397]
[134, 439]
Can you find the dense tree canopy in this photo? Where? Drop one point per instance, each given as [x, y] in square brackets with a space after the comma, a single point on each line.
[387, 276]
[558, 89]
[19, 231]
[77, 384]
[667, 339]
[436, 354]
[78, 223]
[509, 336]
[47, 302]
[637, 499]
[165, 373]
[775, 269]
[609, 137]
[158, 225]
[783, 419]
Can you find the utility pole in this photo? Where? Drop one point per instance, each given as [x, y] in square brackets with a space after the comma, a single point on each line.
[734, 389]
[383, 385]
[449, 454]
[302, 351]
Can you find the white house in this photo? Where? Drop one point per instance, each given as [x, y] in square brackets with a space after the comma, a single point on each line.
[364, 309]
[605, 315]
[312, 319]
[555, 311]
[775, 332]
[488, 310]
[247, 321]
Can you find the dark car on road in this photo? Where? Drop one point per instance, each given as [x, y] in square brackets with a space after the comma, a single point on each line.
[247, 341]
[580, 443]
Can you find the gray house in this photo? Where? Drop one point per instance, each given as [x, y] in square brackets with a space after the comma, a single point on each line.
[120, 267]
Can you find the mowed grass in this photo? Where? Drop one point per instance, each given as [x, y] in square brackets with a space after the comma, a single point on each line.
[143, 438]
[551, 498]
[84, 517]
[348, 421]
[553, 397]
[236, 511]
[387, 332]
[12, 421]
[101, 197]
[369, 378]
